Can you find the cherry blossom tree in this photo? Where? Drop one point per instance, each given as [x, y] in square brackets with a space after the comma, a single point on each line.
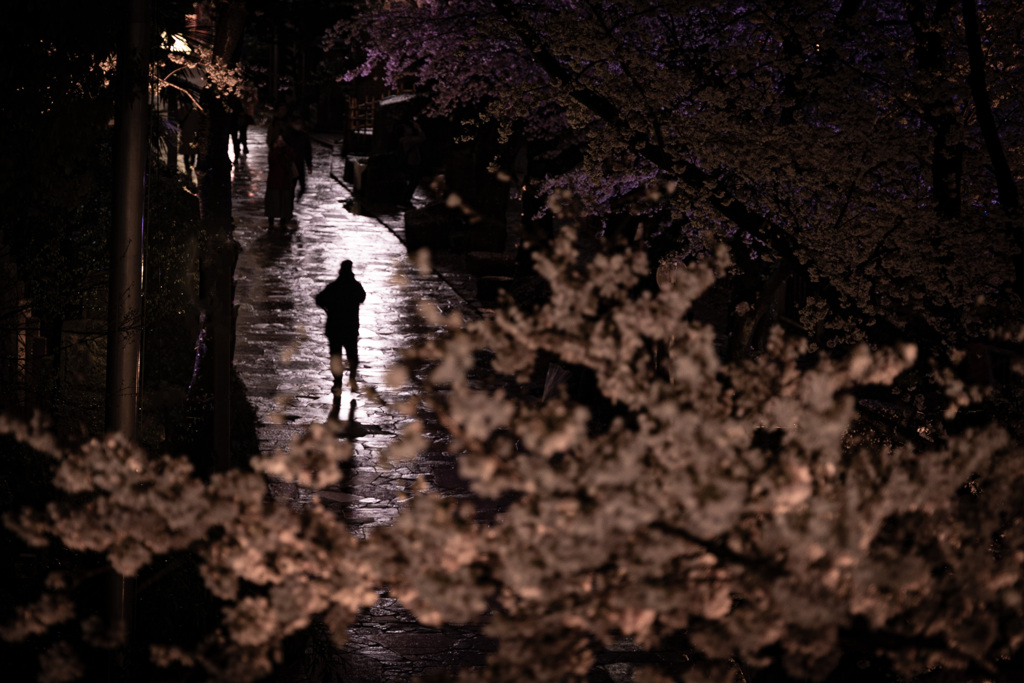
[739, 516]
[873, 149]
[742, 509]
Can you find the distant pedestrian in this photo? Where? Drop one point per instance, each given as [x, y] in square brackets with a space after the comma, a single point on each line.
[298, 140]
[278, 202]
[189, 121]
[341, 299]
[238, 122]
[277, 124]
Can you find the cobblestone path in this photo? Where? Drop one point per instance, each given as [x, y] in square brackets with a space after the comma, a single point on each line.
[281, 355]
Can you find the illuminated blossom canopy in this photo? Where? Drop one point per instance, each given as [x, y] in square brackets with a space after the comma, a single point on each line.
[872, 148]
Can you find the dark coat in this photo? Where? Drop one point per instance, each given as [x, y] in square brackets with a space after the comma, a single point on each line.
[341, 300]
[279, 197]
[280, 168]
[276, 127]
[303, 148]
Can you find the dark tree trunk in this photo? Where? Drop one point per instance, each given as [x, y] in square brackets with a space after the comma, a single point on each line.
[213, 168]
[941, 114]
[947, 163]
[1008, 196]
[221, 252]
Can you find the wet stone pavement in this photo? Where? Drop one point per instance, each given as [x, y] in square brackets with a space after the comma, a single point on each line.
[281, 355]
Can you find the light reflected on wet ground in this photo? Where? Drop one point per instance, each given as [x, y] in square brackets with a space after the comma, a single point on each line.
[281, 350]
[281, 355]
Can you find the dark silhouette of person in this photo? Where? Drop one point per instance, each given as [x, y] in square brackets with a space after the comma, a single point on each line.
[278, 201]
[298, 140]
[238, 127]
[189, 118]
[276, 124]
[341, 299]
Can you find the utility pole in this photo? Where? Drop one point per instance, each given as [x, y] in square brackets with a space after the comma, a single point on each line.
[124, 318]
[124, 321]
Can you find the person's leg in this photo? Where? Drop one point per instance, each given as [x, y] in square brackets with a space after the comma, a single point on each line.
[287, 206]
[352, 354]
[270, 208]
[337, 364]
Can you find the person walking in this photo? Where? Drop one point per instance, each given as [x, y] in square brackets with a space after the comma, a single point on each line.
[276, 124]
[278, 202]
[189, 118]
[341, 299]
[298, 140]
[238, 127]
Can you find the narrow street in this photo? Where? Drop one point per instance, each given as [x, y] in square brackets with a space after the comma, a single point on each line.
[281, 355]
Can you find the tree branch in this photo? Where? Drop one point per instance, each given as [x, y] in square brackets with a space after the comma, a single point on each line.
[1008, 196]
[721, 199]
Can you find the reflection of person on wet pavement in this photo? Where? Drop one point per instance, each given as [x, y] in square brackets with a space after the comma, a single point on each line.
[341, 299]
[350, 428]
[278, 202]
